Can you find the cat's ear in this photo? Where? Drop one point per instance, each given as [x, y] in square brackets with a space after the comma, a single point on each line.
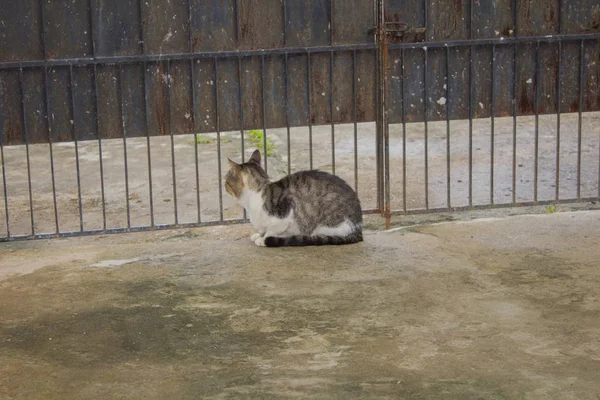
[233, 165]
[255, 157]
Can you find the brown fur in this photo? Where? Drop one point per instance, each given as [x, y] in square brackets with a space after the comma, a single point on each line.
[249, 173]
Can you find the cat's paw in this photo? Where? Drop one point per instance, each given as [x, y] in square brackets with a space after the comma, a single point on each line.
[260, 242]
[255, 236]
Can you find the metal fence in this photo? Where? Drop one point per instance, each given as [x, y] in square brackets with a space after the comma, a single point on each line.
[117, 115]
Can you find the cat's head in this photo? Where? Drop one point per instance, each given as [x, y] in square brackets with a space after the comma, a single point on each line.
[248, 175]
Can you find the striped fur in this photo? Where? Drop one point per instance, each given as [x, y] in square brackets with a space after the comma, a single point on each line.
[308, 208]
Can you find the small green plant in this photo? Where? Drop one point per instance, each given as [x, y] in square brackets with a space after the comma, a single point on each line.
[202, 139]
[257, 138]
[550, 209]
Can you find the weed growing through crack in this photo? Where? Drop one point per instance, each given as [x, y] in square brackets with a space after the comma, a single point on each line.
[257, 138]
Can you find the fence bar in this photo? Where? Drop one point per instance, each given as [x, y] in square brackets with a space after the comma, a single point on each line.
[514, 102]
[504, 41]
[355, 118]
[558, 103]
[403, 100]
[486, 206]
[194, 103]
[50, 141]
[331, 110]
[514, 116]
[426, 103]
[470, 99]
[218, 126]
[76, 142]
[579, 116]
[264, 113]
[147, 116]
[538, 76]
[4, 188]
[96, 116]
[492, 121]
[287, 116]
[240, 97]
[309, 100]
[27, 155]
[448, 183]
[425, 111]
[97, 130]
[170, 109]
[124, 132]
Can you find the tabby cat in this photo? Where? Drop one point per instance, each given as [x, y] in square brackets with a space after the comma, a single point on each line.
[308, 208]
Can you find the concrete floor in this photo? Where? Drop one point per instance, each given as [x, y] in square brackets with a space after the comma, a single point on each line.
[503, 308]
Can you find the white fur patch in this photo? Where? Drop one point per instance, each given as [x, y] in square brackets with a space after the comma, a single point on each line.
[343, 229]
[255, 236]
[265, 224]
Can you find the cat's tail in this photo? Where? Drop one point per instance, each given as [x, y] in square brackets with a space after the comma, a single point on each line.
[353, 237]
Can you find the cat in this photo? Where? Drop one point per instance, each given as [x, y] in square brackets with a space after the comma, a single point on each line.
[308, 208]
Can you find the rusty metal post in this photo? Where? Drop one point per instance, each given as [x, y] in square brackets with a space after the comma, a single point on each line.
[383, 159]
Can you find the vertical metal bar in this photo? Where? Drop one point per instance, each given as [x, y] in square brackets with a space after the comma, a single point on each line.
[240, 97]
[5, 189]
[2, 134]
[426, 138]
[492, 121]
[558, 104]
[27, 155]
[383, 125]
[101, 163]
[287, 115]
[124, 133]
[580, 119]
[514, 104]
[448, 183]
[404, 206]
[538, 76]
[92, 6]
[354, 116]
[149, 152]
[218, 126]
[194, 105]
[50, 141]
[331, 110]
[76, 142]
[264, 112]
[309, 100]
[48, 117]
[170, 111]
[471, 72]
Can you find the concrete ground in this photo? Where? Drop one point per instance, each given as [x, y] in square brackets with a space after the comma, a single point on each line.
[505, 308]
